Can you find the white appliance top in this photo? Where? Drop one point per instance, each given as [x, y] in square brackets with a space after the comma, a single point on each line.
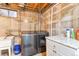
[62, 40]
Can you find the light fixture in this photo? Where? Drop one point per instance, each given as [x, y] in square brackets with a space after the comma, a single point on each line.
[26, 20]
[21, 4]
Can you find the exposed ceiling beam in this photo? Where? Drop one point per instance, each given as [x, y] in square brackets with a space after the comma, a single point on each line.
[7, 8]
[49, 6]
[44, 5]
[35, 5]
[38, 7]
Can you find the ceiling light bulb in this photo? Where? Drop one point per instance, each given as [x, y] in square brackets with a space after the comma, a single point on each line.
[26, 21]
[21, 4]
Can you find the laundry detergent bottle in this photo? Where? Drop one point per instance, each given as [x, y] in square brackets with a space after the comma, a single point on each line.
[72, 33]
[68, 33]
[17, 46]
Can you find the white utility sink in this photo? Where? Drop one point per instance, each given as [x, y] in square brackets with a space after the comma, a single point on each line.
[2, 38]
[6, 43]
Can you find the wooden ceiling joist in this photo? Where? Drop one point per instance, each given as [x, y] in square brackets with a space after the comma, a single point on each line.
[35, 6]
[44, 5]
[28, 6]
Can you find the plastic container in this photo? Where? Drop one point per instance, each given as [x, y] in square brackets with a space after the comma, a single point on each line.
[17, 46]
[72, 33]
[17, 49]
[68, 34]
[77, 34]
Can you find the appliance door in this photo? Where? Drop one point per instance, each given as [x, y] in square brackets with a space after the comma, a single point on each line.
[29, 45]
[41, 41]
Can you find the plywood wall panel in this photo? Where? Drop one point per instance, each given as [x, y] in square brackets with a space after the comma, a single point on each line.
[4, 25]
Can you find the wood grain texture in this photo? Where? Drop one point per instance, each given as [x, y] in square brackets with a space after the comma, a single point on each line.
[28, 6]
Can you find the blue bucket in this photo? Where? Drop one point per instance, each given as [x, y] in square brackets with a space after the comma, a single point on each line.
[17, 49]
